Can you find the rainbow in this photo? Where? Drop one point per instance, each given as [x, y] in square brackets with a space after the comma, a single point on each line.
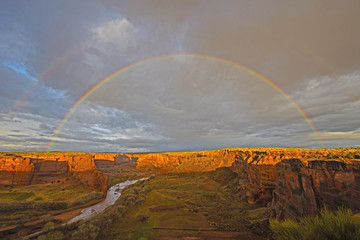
[135, 64]
[55, 64]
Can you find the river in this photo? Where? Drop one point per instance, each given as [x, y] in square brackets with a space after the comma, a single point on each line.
[112, 195]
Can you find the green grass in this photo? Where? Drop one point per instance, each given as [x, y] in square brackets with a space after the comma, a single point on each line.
[180, 205]
[175, 206]
[26, 203]
[46, 192]
[338, 225]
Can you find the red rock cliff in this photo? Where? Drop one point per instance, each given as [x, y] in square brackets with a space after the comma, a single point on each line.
[304, 187]
[185, 161]
[296, 182]
[29, 168]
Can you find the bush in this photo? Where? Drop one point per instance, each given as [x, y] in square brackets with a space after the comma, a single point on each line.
[47, 218]
[48, 225]
[332, 156]
[86, 231]
[339, 225]
[20, 206]
[87, 198]
[142, 217]
[55, 235]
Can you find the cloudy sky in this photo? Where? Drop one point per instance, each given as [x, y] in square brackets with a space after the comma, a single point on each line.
[53, 52]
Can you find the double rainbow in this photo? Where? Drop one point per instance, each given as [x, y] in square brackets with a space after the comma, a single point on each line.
[55, 64]
[123, 69]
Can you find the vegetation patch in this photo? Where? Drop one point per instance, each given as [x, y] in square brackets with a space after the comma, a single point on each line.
[341, 225]
[177, 206]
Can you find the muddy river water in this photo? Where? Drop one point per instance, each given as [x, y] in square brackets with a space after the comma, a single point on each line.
[112, 195]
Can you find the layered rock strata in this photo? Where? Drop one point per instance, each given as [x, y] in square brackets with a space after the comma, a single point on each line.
[32, 168]
[295, 182]
[304, 187]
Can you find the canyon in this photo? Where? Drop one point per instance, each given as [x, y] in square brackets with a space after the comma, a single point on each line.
[291, 182]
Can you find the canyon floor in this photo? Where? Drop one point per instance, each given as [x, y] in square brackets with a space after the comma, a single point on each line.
[189, 206]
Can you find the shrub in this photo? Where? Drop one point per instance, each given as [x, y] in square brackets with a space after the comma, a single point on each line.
[49, 225]
[86, 231]
[133, 190]
[47, 218]
[55, 235]
[128, 199]
[339, 225]
[19, 206]
[87, 198]
[332, 156]
[142, 217]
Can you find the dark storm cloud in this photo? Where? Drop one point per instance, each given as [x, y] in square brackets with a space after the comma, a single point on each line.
[308, 48]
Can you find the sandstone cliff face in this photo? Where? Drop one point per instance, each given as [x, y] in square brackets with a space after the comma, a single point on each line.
[336, 182]
[93, 180]
[104, 156]
[294, 195]
[255, 166]
[31, 168]
[296, 182]
[210, 160]
[302, 188]
[256, 182]
[16, 170]
[257, 170]
[186, 161]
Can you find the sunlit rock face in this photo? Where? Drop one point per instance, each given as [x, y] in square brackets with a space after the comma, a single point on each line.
[32, 168]
[185, 161]
[16, 170]
[104, 156]
[295, 182]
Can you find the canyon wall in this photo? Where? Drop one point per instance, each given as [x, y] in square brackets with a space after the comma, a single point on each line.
[32, 168]
[185, 161]
[295, 182]
[304, 187]
[210, 160]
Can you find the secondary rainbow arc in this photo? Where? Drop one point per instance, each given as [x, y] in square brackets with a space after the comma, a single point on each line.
[42, 77]
[125, 68]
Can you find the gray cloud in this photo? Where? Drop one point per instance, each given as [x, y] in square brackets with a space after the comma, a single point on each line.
[309, 49]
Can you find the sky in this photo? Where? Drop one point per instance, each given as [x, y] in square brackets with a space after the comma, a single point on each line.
[186, 75]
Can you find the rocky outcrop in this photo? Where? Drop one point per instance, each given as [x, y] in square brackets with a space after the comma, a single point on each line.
[16, 170]
[93, 180]
[294, 194]
[104, 156]
[256, 181]
[304, 187]
[336, 182]
[295, 182]
[31, 168]
[211, 160]
[185, 161]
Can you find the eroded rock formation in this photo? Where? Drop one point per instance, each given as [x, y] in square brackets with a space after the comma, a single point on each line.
[295, 182]
[304, 187]
[31, 168]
